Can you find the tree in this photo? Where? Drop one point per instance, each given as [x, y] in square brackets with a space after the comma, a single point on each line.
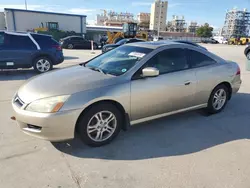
[204, 31]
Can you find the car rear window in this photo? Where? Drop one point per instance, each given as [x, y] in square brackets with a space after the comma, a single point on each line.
[45, 41]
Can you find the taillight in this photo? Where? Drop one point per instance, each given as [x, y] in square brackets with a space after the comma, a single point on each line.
[58, 47]
[238, 71]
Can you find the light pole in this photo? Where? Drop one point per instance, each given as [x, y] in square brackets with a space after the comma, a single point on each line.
[158, 33]
[26, 5]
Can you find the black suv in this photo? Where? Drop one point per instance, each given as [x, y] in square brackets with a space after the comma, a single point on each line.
[26, 50]
[72, 42]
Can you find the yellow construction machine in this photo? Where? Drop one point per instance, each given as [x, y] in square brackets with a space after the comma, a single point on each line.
[244, 40]
[47, 27]
[129, 31]
[238, 40]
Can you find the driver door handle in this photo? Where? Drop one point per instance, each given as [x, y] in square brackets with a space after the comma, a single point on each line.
[187, 83]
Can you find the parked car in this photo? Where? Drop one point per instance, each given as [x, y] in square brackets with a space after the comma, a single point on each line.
[73, 42]
[109, 47]
[209, 41]
[26, 50]
[155, 38]
[133, 83]
[247, 51]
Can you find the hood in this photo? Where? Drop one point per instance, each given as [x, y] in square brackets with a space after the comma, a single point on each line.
[63, 82]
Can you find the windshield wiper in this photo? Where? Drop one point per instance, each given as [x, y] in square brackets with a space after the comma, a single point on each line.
[97, 69]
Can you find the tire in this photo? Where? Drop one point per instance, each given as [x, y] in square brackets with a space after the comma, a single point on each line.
[70, 46]
[248, 55]
[95, 46]
[88, 126]
[214, 107]
[42, 64]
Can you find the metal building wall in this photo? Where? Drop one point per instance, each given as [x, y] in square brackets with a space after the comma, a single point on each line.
[22, 20]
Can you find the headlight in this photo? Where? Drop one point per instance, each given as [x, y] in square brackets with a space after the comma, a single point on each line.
[47, 105]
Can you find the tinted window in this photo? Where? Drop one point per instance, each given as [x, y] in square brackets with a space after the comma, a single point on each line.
[121, 42]
[198, 59]
[1, 38]
[19, 42]
[76, 39]
[169, 61]
[45, 41]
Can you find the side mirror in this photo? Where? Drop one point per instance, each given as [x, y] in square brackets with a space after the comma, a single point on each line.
[150, 72]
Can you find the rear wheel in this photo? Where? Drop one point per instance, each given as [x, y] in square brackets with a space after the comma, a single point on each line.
[100, 125]
[248, 55]
[95, 46]
[218, 99]
[42, 64]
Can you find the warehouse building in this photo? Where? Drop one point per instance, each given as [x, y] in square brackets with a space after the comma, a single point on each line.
[28, 20]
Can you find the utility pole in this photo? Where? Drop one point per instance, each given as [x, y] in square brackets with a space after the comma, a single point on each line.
[26, 4]
[158, 33]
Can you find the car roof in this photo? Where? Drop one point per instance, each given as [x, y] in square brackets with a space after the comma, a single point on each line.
[25, 33]
[158, 44]
[152, 44]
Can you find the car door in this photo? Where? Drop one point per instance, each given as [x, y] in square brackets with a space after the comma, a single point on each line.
[86, 44]
[2, 52]
[76, 41]
[207, 74]
[17, 51]
[172, 90]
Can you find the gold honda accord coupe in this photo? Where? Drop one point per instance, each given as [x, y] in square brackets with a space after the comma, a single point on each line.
[133, 83]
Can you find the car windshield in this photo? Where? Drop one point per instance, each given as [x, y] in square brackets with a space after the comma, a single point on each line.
[121, 42]
[118, 61]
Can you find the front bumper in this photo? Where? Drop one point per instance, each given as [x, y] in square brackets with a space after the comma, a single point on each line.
[52, 126]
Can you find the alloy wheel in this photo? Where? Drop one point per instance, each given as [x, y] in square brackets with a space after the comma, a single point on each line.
[70, 46]
[219, 99]
[43, 65]
[101, 126]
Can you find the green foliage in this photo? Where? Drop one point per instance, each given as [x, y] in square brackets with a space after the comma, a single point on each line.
[57, 35]
[204, 31]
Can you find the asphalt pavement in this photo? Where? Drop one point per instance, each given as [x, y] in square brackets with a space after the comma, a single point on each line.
[189, 150]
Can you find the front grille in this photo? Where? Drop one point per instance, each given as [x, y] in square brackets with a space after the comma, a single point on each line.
[18, 102]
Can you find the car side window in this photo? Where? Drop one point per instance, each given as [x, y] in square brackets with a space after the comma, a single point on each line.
[169, 60]
[198, 59]
[18, 42]
[76, 39]
[1, 38]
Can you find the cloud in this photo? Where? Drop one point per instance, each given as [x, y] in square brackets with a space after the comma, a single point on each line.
[20, 6]
[50, 8]
[141, 3]
[82, 11]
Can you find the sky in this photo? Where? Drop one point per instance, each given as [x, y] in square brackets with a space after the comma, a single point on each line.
[202, 11]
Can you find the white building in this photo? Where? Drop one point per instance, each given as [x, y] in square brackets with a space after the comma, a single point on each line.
[143, 17]
[100, 19]
[28, 20]
[2, 21]
[158, 15]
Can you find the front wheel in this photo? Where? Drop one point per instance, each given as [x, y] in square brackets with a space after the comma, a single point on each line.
[70, 46]
[218, 99]
[100, 125]
[42, 64]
